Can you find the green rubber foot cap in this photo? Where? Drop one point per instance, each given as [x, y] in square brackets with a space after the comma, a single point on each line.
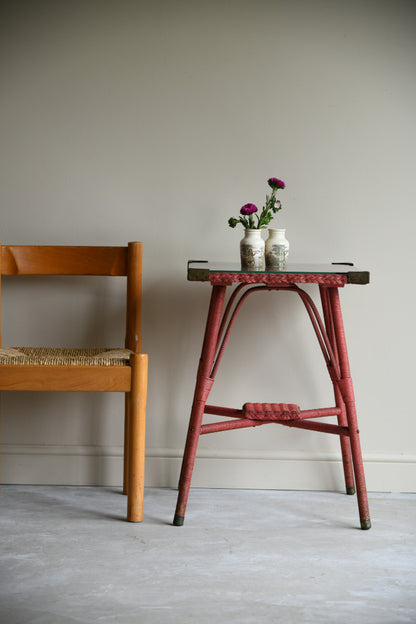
[178, 520]
[350, 491]
[366, 524]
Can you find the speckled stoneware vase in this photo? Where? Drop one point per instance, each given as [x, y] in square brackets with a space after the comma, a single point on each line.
[276, 249]
[252, 251]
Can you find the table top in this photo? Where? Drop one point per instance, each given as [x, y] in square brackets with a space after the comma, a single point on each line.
[337, 274]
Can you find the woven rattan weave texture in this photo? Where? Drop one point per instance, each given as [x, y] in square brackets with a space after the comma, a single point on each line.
[274, 279]
[65, 357]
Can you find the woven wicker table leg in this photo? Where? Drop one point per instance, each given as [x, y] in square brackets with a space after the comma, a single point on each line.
[339, 402]
[346, 389]
[202, 388]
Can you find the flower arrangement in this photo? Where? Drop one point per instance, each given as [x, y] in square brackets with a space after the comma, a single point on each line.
[269, 209]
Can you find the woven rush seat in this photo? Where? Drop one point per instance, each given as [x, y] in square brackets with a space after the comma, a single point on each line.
[50, 356]
[271, 411]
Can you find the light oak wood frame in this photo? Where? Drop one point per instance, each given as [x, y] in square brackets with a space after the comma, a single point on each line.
[16, 260]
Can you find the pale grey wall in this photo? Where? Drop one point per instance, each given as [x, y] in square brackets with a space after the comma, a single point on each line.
[156, 121]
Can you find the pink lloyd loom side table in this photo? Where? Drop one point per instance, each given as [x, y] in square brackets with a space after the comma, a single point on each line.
[331, 337]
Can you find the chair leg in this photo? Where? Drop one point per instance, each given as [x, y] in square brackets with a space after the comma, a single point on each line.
[126, 444]
[136, 437]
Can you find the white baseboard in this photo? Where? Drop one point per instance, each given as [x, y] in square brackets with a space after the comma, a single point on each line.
[90, 465]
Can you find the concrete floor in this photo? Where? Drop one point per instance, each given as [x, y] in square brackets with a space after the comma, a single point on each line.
[242, 556]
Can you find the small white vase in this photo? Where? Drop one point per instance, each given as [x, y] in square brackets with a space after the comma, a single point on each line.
[277, 249]
[252, 250]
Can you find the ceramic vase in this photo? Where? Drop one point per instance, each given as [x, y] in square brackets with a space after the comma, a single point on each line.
[277, 249]
[252, 250]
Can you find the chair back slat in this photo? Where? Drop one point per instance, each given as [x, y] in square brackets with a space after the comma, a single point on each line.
[63, 260]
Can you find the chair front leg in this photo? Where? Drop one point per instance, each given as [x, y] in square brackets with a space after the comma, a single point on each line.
[136, 437]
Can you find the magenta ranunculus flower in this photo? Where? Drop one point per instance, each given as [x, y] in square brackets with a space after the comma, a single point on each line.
[275, 183]
[248, 209]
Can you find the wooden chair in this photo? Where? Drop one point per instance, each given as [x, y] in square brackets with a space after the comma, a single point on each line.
[94, 370]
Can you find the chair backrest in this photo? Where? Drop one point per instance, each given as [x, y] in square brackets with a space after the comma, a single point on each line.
[126, 261]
